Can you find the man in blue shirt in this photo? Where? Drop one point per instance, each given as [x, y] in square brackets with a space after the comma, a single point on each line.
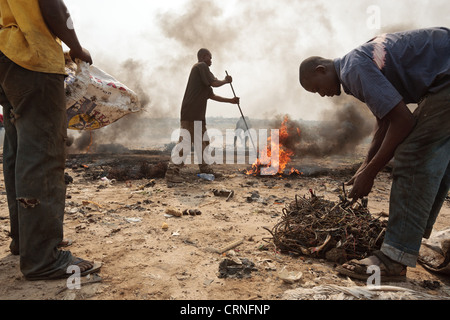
[387, 73]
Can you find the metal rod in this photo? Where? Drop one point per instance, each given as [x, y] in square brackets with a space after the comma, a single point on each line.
[249, 133]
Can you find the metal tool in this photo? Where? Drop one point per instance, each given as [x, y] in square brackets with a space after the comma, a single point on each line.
[249, 134]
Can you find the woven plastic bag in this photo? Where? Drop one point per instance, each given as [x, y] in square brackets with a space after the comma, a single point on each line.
[94, 98]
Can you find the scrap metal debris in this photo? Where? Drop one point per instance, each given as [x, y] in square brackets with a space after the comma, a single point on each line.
[223, 193]
[338, 232]
[227, 247]
[236, 268]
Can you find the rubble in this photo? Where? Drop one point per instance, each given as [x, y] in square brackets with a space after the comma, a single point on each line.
[236, 268]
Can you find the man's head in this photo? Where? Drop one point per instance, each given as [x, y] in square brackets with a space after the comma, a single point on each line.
[318, 75]
[204, 55]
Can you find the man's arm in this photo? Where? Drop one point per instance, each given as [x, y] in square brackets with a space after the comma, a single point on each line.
[400, 122]
[234, 100]
[218, 83]
[56, 16]
[379, 134]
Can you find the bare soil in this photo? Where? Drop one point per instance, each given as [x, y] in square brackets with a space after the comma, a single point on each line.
[150, 255]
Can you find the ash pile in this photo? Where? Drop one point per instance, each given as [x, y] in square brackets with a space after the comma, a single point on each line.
[338, 232]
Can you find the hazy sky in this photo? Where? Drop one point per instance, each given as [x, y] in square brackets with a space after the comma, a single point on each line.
[259, 42]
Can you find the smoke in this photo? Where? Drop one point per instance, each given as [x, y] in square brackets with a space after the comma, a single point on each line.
[252, 42]
[260, 43]
[340, 131]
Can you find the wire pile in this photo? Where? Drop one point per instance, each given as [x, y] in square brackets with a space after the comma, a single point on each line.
[314, 227]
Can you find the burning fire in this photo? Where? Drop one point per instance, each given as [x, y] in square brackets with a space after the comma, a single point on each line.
[267, 165]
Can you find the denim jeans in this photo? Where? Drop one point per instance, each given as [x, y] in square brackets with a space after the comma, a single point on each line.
[421, 179]
[33, 164]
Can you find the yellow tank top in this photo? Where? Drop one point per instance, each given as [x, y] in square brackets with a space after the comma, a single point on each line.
[26, 39]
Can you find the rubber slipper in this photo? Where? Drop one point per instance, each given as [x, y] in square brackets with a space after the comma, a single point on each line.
[390, 270]
[96, 266]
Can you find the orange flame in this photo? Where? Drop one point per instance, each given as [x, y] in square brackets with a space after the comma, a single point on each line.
[285, 155]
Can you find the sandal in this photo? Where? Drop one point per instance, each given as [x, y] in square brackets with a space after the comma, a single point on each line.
[390, 271]
[95, 266]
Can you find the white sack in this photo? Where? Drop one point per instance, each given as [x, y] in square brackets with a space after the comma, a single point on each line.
[95, 99]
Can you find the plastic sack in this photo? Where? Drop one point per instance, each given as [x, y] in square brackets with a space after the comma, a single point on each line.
[95, 99]
[434, 253]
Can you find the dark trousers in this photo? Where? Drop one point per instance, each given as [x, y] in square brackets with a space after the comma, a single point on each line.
[33, 164]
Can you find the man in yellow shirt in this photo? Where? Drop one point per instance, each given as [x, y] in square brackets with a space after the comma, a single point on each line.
[32, 70]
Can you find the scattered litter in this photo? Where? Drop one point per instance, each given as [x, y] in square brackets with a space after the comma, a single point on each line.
[176, 233]
[254, 196]
[334, 292]
[192, 212]
[206, 176]
[269, 265]
[73, 210]
[173, 212]
[229, 246]
[289, 276]
[150, 184]
[223, 193]
[133, 220]
[165, 226]
[207, 282]
[236, 268]
[67, 178]
[88, 202]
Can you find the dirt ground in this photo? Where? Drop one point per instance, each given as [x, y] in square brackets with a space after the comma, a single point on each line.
[120, 223]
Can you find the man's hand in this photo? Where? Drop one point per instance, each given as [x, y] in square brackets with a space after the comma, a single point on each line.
[82, 54]
[228, 79]
[352, 180]
[362, 185]
[235, 100]
[217, 98]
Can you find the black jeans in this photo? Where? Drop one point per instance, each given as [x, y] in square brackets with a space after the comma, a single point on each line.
[33, 163]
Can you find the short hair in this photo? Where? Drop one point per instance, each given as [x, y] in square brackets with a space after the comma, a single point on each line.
[308, 66]
[202, 52]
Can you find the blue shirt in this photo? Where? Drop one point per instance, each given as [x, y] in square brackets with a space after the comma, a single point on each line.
[395, 67]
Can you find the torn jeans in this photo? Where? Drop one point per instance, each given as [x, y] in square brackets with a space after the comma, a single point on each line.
[33, 164]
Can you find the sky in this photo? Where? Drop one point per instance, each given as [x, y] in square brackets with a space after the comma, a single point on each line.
[151, 45]
[259, 42]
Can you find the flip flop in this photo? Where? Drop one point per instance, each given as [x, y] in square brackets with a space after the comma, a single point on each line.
[96, 266]
[390, 271]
